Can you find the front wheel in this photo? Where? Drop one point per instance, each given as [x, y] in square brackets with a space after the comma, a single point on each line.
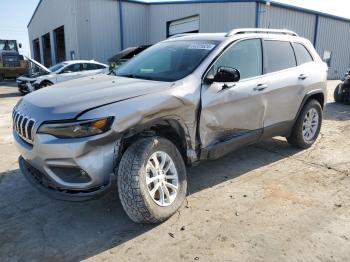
[338, 97]
[44, 84]
[152, 181]
[307, 126]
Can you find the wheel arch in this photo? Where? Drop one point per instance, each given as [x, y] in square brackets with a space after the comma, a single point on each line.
[45, 81]
[172, 129]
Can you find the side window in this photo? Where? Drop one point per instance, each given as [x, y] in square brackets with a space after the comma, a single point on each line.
[246, 56]
[303, 56]
[279, 55]
[90, 66]
[72, 68]
[99, 66]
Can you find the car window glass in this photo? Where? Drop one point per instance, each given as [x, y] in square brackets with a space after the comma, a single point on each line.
[246, 56]
[167, 61]
[303, 56]
[279, 55]
[72, 68]
[90, 66]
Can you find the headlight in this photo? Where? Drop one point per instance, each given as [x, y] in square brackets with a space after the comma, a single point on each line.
[77, 129]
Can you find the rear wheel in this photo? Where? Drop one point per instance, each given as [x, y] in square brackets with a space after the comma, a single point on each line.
[152, 180]
[307, 126]
[338, 97]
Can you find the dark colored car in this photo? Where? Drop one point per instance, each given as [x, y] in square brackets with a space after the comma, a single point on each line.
[342, 91]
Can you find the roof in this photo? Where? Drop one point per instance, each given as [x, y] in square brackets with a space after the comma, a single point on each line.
[273, 3]
[81, 61]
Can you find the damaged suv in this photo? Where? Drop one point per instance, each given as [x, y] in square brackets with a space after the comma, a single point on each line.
[189, 98]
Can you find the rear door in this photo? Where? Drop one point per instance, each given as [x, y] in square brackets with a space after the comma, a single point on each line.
[93, 69]
[284, 91]
[234, 111]
[308, 70]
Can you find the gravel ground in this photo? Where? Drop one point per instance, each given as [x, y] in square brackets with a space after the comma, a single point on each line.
[267, 202]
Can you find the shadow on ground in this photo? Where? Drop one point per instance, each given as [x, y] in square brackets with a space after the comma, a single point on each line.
[8, 95]
[337, 111]
[34, 227]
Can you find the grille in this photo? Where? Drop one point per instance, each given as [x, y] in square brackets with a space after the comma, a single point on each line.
[24, 126]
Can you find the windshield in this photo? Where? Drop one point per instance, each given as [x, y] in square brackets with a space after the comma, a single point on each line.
[57, 67]
[8, 45]
[167, 61]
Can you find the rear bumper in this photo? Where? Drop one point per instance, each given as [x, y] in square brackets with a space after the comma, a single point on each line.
[45, 185]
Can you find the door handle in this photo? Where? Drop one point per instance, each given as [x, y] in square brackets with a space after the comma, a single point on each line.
[260, 87]
[302, 77]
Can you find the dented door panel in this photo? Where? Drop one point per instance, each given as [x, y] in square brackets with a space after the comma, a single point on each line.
[231, 112]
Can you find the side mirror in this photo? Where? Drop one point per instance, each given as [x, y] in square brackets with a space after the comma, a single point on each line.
[227, 74]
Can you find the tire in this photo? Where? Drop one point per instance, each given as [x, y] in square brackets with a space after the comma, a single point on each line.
[338, 97]
[135, 194]
[44, 84]
[297, 138]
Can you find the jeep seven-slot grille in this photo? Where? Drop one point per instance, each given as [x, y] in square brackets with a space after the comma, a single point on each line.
[24, 126]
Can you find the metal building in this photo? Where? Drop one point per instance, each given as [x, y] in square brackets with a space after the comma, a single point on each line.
[97, 29]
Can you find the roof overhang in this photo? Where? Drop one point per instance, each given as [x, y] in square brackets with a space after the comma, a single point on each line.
[272, 3]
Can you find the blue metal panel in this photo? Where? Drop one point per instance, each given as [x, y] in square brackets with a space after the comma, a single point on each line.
[257, 14]
[121, 25]
[316, 30]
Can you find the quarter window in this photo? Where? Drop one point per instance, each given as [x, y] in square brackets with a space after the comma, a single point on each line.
[279, 55]
[303, 56]
[246, 56]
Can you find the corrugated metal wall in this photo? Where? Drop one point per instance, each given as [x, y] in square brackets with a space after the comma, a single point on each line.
[213, 17]
[46, 20]
[92, 28]
[135, 24]
[282, 18]
[105, 32]
[334, 35]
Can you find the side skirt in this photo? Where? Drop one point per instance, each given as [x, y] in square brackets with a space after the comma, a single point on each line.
[222, 148]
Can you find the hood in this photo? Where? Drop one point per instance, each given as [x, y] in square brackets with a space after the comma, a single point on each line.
[44, 68]
[69, 99]
[128, 53]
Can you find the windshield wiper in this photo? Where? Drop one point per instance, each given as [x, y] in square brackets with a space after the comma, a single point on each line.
[137, 76]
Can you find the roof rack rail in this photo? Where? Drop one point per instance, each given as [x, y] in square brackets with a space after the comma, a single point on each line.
[260, 30]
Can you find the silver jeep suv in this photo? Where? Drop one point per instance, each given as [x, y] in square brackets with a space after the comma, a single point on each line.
[189, 98]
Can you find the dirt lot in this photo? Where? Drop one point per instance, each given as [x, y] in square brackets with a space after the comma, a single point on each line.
[267, 202]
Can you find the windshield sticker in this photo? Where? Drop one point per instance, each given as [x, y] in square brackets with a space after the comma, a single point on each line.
[201, 46]
[146, 70]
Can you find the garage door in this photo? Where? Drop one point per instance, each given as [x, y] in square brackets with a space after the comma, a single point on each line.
[185, 25]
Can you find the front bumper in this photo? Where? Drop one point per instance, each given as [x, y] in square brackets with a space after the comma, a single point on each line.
[68, 169]
[25, 86]
[45, 185]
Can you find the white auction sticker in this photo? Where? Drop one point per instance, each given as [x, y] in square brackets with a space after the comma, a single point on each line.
[201, 46]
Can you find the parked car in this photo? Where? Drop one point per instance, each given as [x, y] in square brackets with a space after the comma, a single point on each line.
[184, 100]
[125, 55]
[342, 91]
[40, 76]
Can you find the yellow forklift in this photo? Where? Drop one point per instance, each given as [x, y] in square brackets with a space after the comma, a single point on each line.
[12, 64]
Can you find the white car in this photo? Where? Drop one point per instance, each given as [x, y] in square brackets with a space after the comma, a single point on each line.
[40, 76]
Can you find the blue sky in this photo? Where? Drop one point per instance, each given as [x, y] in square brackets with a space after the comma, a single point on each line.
[15, 15]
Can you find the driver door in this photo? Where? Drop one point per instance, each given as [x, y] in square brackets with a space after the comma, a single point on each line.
[233, 113]
[70, 72]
